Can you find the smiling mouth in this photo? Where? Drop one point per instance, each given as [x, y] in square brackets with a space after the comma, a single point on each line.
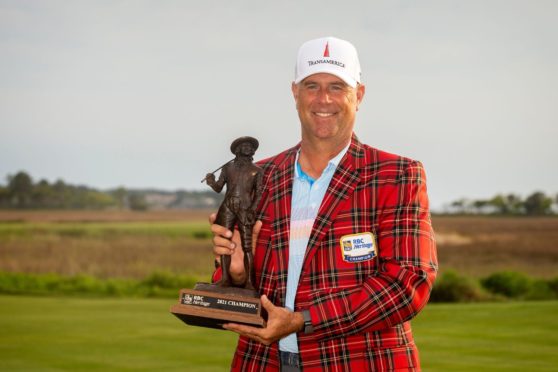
[324, 114]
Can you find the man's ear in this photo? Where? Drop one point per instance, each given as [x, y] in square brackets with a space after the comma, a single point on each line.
[361, 89]
[294, 89]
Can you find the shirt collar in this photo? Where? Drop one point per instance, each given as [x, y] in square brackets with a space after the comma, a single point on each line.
[332, 164]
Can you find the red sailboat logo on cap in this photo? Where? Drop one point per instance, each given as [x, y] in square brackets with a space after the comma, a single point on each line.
[326, 51]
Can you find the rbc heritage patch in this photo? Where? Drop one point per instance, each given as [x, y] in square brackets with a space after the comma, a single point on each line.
[358, 247]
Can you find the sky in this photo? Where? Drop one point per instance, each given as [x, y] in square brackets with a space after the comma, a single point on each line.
[151, 93]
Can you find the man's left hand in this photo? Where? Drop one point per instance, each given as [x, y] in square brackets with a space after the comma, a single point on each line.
[281, 322]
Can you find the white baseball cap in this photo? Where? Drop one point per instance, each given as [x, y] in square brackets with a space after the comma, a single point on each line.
[330, 55]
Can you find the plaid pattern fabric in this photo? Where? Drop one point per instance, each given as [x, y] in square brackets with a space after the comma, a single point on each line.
[360, 310]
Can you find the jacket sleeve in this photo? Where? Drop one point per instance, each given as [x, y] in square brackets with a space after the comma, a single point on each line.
[406, 268]
[217, 274]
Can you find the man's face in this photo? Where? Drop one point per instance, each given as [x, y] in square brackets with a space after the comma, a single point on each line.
[326, 107]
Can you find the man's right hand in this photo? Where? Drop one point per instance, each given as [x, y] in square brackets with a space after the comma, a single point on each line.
[226, 242]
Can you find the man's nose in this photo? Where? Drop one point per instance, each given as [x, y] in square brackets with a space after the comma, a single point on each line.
[323, 96]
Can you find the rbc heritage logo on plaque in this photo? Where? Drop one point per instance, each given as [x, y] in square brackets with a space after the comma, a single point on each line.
[358, 247]
[187, 299]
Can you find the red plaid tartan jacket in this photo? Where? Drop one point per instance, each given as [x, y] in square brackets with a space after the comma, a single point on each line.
[360, 310]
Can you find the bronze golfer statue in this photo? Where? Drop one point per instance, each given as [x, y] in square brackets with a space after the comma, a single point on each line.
[212, 305]
[244, 189]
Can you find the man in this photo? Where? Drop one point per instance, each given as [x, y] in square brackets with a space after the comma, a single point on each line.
[345, 253]
[244, 190]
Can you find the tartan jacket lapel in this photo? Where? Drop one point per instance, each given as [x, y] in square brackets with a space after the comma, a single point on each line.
[342, 186]
[280, 191]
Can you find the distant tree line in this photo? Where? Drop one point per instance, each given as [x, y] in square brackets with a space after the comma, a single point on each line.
[21, 192]
[536, 204]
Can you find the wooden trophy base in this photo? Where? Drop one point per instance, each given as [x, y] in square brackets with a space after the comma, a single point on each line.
[210, 305]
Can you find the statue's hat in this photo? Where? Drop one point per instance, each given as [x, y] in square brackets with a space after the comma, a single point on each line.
[241, 140]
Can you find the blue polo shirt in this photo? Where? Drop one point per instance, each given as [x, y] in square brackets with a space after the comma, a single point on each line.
[307, 197]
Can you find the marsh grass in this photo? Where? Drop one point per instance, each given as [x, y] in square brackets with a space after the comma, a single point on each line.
[118, 244]
[119, 249]
[121, 256]
[478, 246]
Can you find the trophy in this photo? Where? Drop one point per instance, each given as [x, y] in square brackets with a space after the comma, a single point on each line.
[212, 305]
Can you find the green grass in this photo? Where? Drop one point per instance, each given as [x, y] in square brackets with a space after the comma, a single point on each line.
[50, 333]
[158, 284]
[511, 336]
[171, 229]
